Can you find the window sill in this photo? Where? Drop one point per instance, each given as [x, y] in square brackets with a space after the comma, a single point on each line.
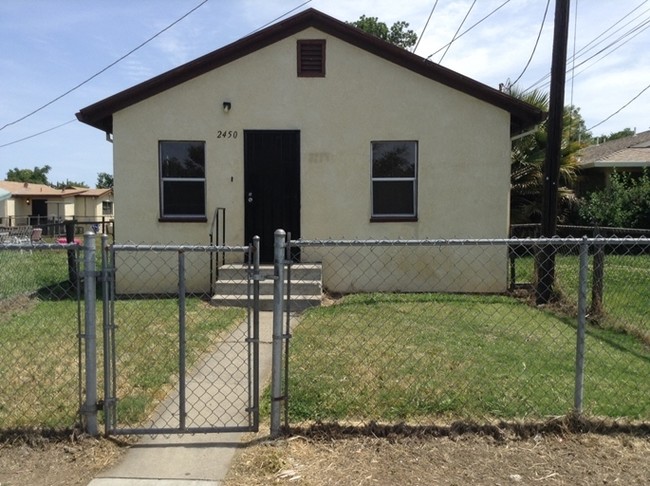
[393, 219]
[183, 219]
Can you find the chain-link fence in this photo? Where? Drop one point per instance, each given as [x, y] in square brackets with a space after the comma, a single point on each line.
[405, 331]
[428, 331]
[142, 338]
[182, 347]
[39, 329]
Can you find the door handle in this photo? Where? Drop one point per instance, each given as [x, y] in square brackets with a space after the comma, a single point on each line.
[250, 197]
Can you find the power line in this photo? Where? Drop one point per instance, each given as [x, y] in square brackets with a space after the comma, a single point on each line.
[620, 109]
[456, 33]
[39, 133]
[123, 57]
[425, 26]
[469, 28]
[103, 70]
[584, 50]
[539, 35]
[281, 16]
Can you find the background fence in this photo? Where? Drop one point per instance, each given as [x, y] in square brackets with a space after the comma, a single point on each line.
[468, 344]
[40, 360]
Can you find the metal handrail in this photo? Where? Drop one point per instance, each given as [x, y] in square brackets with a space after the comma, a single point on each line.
[214, 240]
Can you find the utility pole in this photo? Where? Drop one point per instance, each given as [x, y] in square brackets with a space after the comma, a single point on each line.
[546, 255]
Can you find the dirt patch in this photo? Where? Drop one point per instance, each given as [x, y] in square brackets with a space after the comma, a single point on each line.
[62, 458]
[447, 459]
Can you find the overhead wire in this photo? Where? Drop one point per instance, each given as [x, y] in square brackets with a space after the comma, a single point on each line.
[280, 17]
[470, 28]
[103, 70]
[425, 26]
[539, 35]
[453, 39]
[599, 39]
[39, 133]
[620, 109]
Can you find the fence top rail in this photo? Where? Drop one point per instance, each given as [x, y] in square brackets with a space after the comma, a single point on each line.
[40, 246]
[177, 248]
[476, 242]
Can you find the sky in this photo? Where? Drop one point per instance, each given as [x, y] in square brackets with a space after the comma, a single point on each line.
[49, 47]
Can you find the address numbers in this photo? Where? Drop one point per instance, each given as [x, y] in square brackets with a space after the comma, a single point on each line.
[227, 134]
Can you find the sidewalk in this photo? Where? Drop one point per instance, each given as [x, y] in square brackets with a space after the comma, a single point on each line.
[202, 459]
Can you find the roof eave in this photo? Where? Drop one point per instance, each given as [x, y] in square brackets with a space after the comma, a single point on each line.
[100, 114]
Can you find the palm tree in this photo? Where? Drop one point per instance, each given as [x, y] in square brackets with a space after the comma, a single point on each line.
[527, 163]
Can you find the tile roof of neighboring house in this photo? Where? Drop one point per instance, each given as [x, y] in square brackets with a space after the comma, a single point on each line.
[100, 114]
[631, 151]
[41, 190]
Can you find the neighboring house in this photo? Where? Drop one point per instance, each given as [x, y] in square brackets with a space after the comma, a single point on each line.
[596, 162]
[316, 127]
[35, 204]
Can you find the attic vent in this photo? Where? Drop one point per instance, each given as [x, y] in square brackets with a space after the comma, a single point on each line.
[311, 58]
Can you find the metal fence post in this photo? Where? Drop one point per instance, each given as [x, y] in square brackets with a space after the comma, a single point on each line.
[106, 318]
[580, 339]
[255, 406]
[90, 338]
[278, 308]
[182, 413]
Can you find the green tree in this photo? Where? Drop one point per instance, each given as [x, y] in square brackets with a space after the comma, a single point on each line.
[624, 203]
[397, 34]
[36, 176]
[68, 184]
[104, 180]
[527, 163]
[626, 132]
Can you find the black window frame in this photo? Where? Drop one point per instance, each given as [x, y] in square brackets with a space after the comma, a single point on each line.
[382, 181]
[165, 181]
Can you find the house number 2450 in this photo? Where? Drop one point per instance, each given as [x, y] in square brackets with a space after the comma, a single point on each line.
[227, 134]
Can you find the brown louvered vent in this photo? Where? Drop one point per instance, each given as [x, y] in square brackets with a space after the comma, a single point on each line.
[311, 58]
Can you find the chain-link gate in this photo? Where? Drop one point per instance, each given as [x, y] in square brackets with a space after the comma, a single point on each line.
[177, 359]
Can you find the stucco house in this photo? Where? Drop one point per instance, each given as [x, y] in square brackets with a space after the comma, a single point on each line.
[316, 127]
[596, 162]
[34, 204]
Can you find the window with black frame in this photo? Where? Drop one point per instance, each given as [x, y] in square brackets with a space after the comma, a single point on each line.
[182, 180]
[394, 180]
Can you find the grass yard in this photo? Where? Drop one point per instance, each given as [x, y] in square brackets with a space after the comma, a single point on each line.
[626, 289]
[414, 357]
[39, 351]
[147, 348]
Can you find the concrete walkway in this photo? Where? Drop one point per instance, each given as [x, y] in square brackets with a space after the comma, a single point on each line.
[202, 459]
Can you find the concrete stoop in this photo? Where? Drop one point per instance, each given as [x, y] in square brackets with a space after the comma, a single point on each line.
[231, 287]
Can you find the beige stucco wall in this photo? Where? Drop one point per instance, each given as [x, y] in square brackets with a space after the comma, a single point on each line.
[463, 165]
[90, 207]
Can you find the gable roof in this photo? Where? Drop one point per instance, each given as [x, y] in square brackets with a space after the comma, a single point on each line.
[29, 189]
[633, 151]
[100, 114]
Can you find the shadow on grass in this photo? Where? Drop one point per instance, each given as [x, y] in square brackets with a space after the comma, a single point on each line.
[59, 291]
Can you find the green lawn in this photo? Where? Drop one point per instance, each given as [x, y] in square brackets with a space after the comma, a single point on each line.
[39, 351]
[414, 357]
[626, 289]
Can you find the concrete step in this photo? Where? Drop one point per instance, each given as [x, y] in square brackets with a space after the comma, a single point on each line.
[240, 287]
[231, 286]
[298, 302]
[299, 271]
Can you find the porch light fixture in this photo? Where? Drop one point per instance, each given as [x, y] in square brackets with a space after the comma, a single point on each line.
[226, 106]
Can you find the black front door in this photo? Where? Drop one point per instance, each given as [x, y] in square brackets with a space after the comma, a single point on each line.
[272, 185]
